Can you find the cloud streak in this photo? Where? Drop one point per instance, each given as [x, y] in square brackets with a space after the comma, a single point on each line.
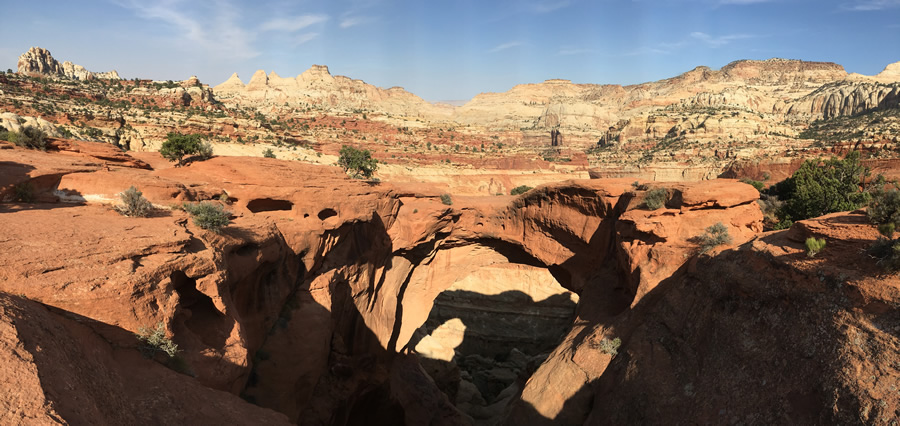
[549, 6]
[352, 21]
[718, 41]
[219, 32]
[292, 23]
[505, 46]
[871, 5]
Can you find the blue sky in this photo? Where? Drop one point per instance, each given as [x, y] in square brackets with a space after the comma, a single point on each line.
[450, 49]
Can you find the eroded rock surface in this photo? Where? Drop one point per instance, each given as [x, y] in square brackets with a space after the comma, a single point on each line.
[309, 303]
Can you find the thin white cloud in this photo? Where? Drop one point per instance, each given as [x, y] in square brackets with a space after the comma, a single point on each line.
[549, 5]
[505, 46]
[647, 51]
[718, 41]
[292, 23]
[870, 5]
[352, 21]
[218, 31]
[742, 2]
[303, 38]
[567, 51]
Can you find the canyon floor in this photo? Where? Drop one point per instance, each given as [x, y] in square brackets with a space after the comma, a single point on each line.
[430, 294]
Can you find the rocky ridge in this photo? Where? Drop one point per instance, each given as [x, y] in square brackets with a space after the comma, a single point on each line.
[39, 61]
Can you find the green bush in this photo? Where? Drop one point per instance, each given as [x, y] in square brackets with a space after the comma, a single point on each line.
[208, 215]
[445, 198]
[610, 347]
[23, 192]
[884, 212]
[268, 153]
[30, 137]
[656, 198]
[154, 341]
[884, 209]
[177, 146]
[134, 204]
[521, 189]
[754, 183]
[820, 187]
[357, 162]
[814, 246]
[714, 236]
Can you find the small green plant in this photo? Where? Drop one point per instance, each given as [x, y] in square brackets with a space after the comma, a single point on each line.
[23, 192]
[446, 199]
[714, 236]
[134, 204]
[814, 246]
[884, 212]
[205, 151]
[208, 215]
[268, 153]
[610, 347]
[357, 162]
[754, 183]
[154, 341]
[656, 198]
[521, 189]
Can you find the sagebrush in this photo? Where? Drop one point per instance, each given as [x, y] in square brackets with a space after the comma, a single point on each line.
[656, 198]
[134, 204]
[208, 215]
[714, 236]
[154, 341]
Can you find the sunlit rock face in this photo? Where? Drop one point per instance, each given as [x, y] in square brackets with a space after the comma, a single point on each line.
[494, 320]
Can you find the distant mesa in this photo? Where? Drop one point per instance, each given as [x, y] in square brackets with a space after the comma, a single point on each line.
[38, 61]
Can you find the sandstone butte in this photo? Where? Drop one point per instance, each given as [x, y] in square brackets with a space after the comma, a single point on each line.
[335, 301]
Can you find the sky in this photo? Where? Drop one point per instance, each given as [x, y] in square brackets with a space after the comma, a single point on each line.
[449, 49]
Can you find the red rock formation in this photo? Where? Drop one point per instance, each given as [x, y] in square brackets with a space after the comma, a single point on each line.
[308, 302]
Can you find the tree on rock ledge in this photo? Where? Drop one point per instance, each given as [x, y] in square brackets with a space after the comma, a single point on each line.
[177, 146]
[357, 162]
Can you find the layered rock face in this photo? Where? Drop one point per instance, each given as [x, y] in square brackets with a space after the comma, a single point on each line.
[39, 61]
[317, 87]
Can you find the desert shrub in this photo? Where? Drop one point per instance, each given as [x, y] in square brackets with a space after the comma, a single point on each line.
[783, 224]
[884, 209]
[655, 198]
[177, 146]
[715, 235]
[268, 153]
[23, 192]
[357, 162]
[820, 187]
[640, 186]
[754, 183]
[814, 246]
[134, 204]
[521, 189]
[884, 212]
[208, 215]
[205, 151]
[154, 341]
[30, 137]
[446, 199]
[610, 347]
